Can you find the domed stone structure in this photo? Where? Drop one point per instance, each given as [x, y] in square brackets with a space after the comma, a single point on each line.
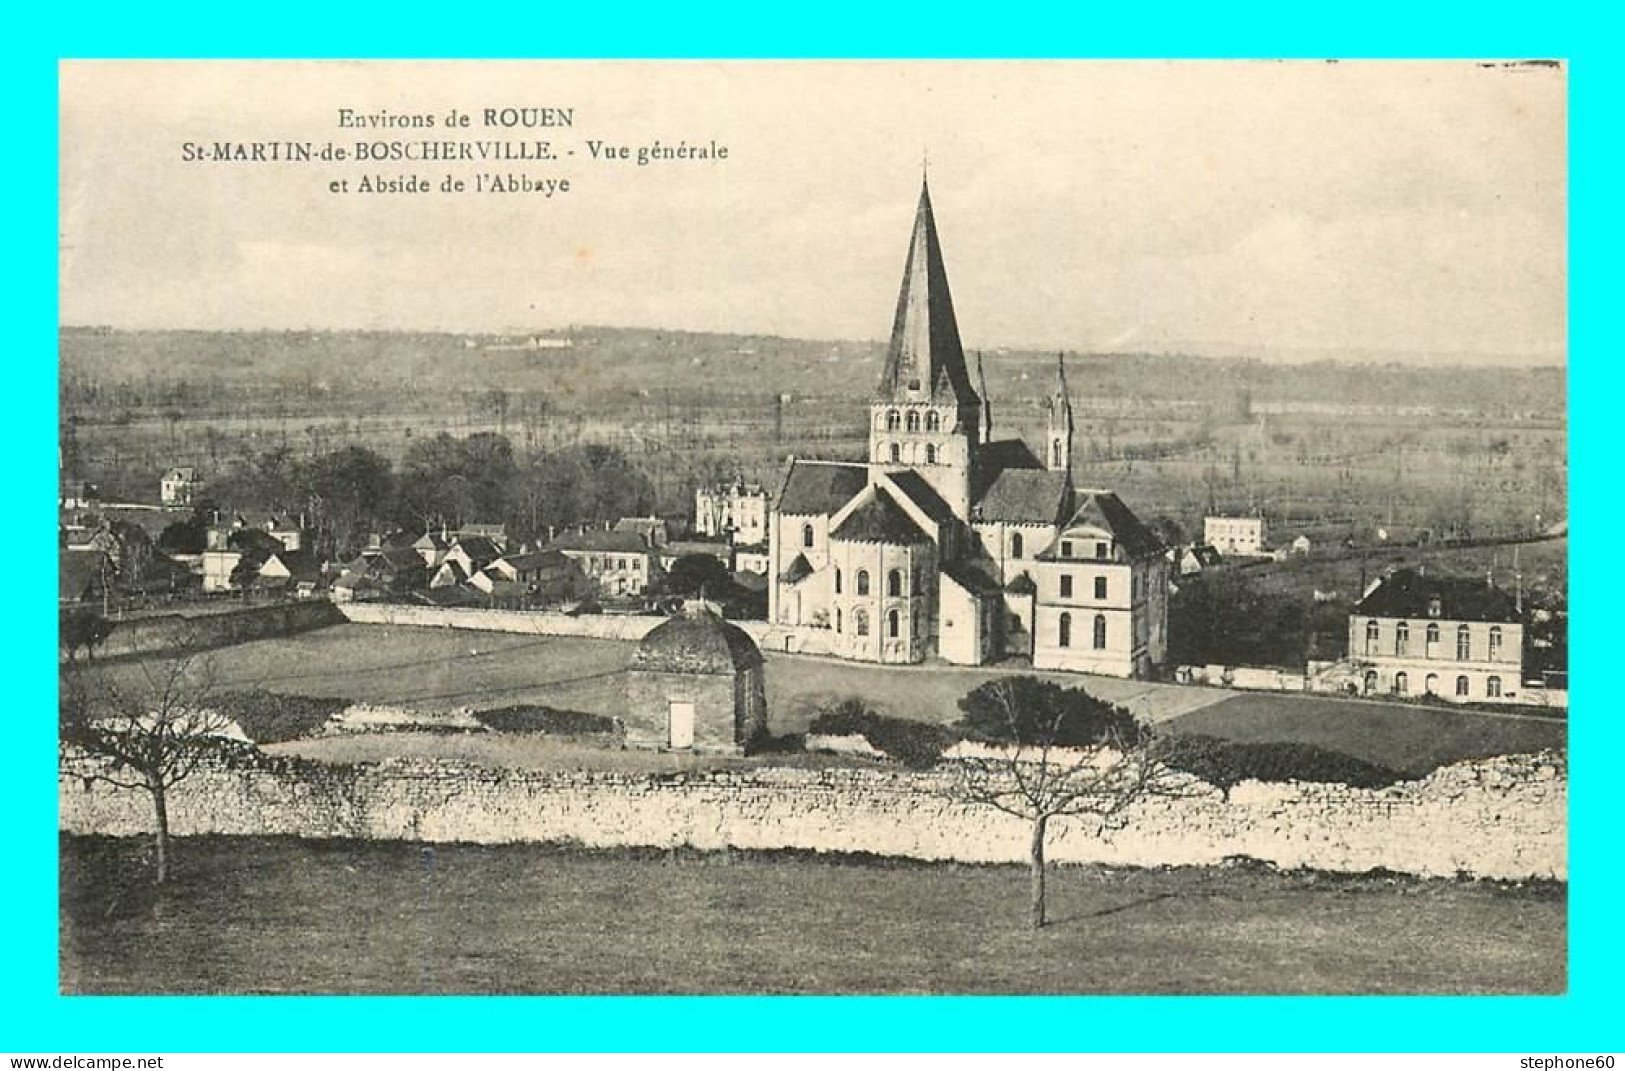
[695, 683]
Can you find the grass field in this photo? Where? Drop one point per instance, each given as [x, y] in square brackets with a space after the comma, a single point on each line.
[268, 915]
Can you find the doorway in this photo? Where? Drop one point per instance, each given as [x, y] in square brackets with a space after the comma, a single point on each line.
[680, 725]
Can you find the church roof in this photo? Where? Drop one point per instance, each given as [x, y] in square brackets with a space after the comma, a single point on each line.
[798, 569]
[922, 494]
[925, 346]
[820, 487]
[696, 641]
[880, 520]
[1023, 496]
[1023, 584]
[970, 578]
[1103, 509]
[1007, 454]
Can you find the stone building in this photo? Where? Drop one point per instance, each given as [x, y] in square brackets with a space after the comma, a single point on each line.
[695, 683]
[738, 510]
[946, 543]
[1243, 536]
[1452, 637]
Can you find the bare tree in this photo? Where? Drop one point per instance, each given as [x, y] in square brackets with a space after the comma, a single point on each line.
[1056, 753]
[149, 726]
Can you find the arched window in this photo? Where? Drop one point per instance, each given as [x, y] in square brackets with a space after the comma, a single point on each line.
[896, 454]
[894, 582]
[933, 421]
[1065, 638]
[1402, 637]
[1373, 633]
[891, 420]
[837, 581]
[1432, 641]
[1431, 685]
[930, 454]
[1461, 685]
[860, 622]
[1402, 683]
[863, 581]
[1370, 681]
[1015, 545]
[1100, 632]
[1495, 642]
[1492, 687]
[892, 624]
[806, 535]
[1464, 644]
[913, 420]
[1055, 454]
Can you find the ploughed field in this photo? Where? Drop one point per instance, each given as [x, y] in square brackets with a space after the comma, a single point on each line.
[279, 915]
[443, 669]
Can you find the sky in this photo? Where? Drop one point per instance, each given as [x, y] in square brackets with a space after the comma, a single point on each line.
[1380, 210]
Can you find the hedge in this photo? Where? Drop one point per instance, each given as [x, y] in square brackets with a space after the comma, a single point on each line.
[531, 718]
[1226, 763]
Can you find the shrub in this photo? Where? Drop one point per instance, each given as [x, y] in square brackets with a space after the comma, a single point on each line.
[913, 743]
[530, 718]
[1226, 763]
[269, 718]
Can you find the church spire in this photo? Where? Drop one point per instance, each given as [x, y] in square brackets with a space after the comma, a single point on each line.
[924, 359]
[987, 399]
[1058, 441]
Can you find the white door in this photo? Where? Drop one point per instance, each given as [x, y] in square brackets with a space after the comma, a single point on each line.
[680, 725]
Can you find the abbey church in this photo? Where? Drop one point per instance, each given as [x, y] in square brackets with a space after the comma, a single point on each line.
[948, 543]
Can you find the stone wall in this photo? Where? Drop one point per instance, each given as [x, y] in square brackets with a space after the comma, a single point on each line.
[196, 632]
[1499, 818]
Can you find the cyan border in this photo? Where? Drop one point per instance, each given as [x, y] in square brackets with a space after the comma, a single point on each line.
[35, 1018]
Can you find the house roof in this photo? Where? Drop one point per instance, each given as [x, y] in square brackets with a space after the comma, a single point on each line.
[696, 641]
[478, 549]
[1024, 496]
[536, 559]
[431, 541]
[1206, 554]
[597, 539]
[180, 472]
[798, 569]
[879, 520]
[678, 548]
[1408, 593]
[922, 494]
[820, 487]
[455, 569]
[1103, 509]
[641, 525]
[399, 559]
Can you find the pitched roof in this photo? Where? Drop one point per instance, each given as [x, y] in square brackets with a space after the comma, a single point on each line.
[1407, 593]
[478, 549]
[696, 641]
[536, 559]
[879, 520]
[400, 559]
[1023, 584]
[798, 569]
[970, 578]
[679, 548]
[1103, 509]
[924, 346]
[820, 487]
[1006, 454]
[1030, 496]
[922, 494]
[597, 539]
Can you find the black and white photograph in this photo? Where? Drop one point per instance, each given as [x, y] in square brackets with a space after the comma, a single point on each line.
[813, 527]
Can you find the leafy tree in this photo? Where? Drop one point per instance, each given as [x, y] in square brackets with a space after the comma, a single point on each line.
[1060, 752]
[81, 628]
[185, 537]
[146, 731]
[348, 491]
[699, 574]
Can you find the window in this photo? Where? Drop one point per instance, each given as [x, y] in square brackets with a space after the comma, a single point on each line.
[1431, 685]
[891, 420]
[860, 622]
[894, 582]
[1100, 632]
[837, 581]
[1066, 548]
[896, 454]
[892, 624]
[1101, 552]
[1373, 633]
[1402, 683]
[1065, 638]
[1015, 545]
[1370, 681]
[1495, 642]
[837, 619]
[1461, 685]
[930, 454]
[1432, 640]
[1402, 637]
[1055, 454]
[1492, 687]
[806, 535]
[1100, 587]
[913, 420]
[1435, 608]
[933, 421]
[1464, 644]
[863, 581]
[1066, 586]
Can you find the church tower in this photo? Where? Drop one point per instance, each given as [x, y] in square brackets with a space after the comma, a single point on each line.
[926, 415]
[1058, 423]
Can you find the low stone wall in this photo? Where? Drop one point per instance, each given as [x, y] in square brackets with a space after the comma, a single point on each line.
[197, 632]
[1501, 818]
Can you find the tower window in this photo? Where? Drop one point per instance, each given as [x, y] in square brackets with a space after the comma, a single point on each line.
[913, 420]
[1015, 545]
[860, 622]
[892, 624]
[1055, 454]
[894, 582]
[896, 454]
[837, 581]
[933, 421]
[891, 420]
[863, 581]
[930, 454]
[806, 535]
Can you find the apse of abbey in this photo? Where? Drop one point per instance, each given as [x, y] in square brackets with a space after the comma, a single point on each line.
[948, 543]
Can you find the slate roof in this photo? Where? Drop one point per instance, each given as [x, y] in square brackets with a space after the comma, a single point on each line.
[1023, 496]
[479, 549]
[879, 520]
[922, 494]
[1407, 593]
[819, 488]
[536, 559]
[1103, 509]
[696, 641]
[970, 578]
[597, 539]
[1006, 454]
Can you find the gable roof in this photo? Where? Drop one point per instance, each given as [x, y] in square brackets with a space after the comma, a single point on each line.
[597, 539]
[880, 520]
[798, 570]
[1103, 509]
[1407, 593]
[920, 492]
[821, 487]
[1006, 454]
[970, 578]
[1023, 584]
[536, 559]
[478, 549]
[1024, 496]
